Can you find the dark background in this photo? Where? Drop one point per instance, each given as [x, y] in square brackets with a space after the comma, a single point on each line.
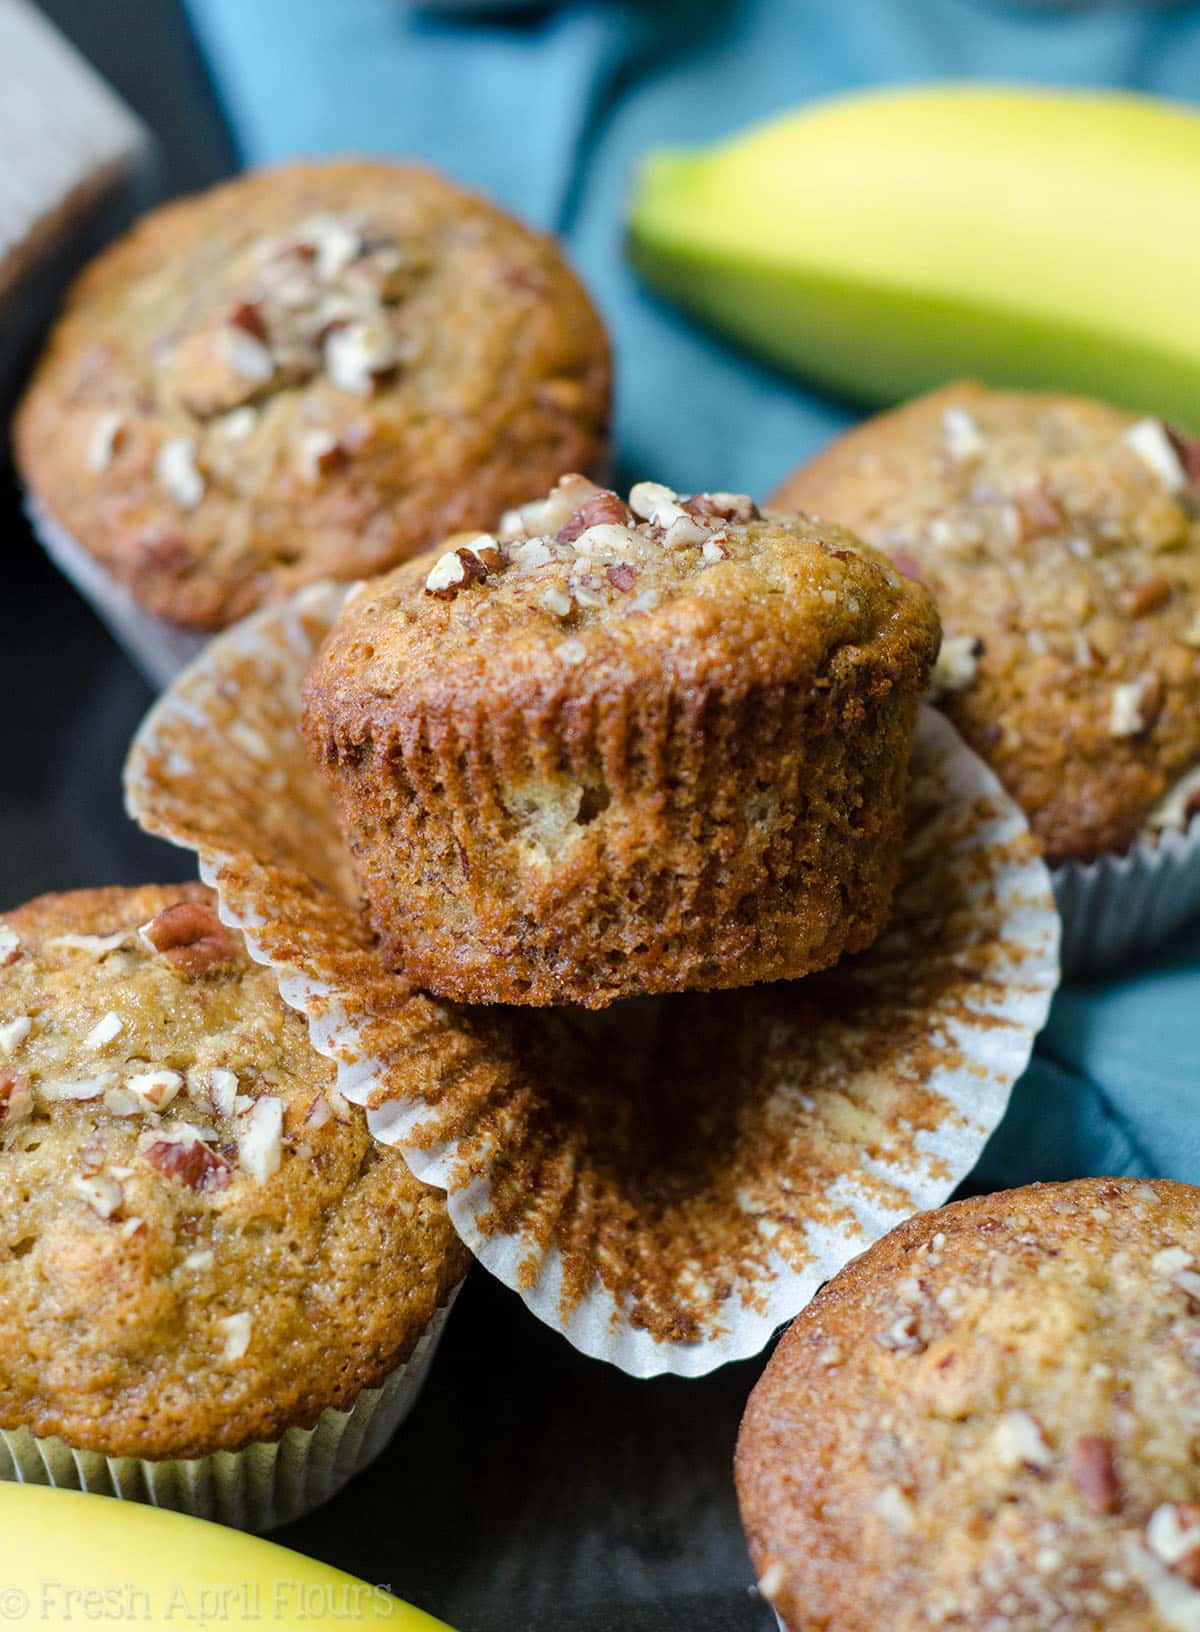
[532, 1488]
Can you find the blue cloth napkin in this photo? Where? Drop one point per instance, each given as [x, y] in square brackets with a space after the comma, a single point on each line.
[549, 113]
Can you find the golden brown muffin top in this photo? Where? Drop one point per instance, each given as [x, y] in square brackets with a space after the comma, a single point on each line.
[308, 372]
[991, 1419]
[201, 1246]
[581, 592]
[1060, 539]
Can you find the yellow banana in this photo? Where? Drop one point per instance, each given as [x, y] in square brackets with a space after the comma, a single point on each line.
[69, 1558]
[883, 243]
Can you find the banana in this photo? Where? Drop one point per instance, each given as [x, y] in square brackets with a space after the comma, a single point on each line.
[70, 1558]
[881, 244]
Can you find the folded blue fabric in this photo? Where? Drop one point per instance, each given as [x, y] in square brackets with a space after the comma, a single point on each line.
[549, 113]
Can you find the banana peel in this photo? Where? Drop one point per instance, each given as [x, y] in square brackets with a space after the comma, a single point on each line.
[881, 244]
[70, 1558]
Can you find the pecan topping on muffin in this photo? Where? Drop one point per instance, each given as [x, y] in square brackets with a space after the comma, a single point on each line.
[600, 529]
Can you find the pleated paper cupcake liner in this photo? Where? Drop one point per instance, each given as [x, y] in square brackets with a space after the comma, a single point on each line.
[158, 648]
[257, 1488]
[1119, 908]
[668, 1180]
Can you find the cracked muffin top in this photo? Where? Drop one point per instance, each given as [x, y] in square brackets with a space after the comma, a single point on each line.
[308, 372]
[1060, 538]
[583, 586]
[201, 1246]
[991, 1419]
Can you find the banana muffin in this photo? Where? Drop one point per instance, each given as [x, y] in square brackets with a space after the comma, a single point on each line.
[309, 372]
[624, 748]
[1061, 542]
[991, 1420]
[201, 1246]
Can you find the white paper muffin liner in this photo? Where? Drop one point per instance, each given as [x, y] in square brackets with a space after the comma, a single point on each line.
[257, 1488]
[669, 1180]
[158, 648]
[1118, 908]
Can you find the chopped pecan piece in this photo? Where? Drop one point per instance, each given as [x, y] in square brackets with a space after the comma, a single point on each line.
[906, 565]
[1094, 1473]
[475, 568]
[488, 552]
[455, 570]
[247, 316]
[319, 452]
[903, 1336]
[720, 507]
[1136, 600]
[16, 1097]
[1038, 513]
[1019, 1442]
[445, 576]
[189, 1161]
[1187, 451]
[621, 576]
[162, 549]
[190, 936]
[600, 508]
[1135, 707]
[1174, 1536]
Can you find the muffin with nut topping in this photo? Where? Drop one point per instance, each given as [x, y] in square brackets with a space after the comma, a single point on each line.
[216, 1293]
[624, 748]
[308, 372]
[991, 1419]
[1060, 539]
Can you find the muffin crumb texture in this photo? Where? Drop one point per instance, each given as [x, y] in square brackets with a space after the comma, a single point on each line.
[617, 748]
[991, 1420]
[1060, 540]
[201, 1246]
[305, 373]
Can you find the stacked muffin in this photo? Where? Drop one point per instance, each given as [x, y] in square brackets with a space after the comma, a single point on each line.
[619, 748]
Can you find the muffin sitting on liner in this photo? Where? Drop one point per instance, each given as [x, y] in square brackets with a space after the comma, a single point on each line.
[1060, 540]
[203, 1251]
[624, 748]
[990, 1420]
[308, 372]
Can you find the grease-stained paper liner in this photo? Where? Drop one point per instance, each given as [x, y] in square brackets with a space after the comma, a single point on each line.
[1119, 907]
[158, 648]
[257, 1488]
[667, 1180]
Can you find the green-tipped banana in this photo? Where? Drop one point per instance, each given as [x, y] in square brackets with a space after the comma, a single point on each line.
[881, 244]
